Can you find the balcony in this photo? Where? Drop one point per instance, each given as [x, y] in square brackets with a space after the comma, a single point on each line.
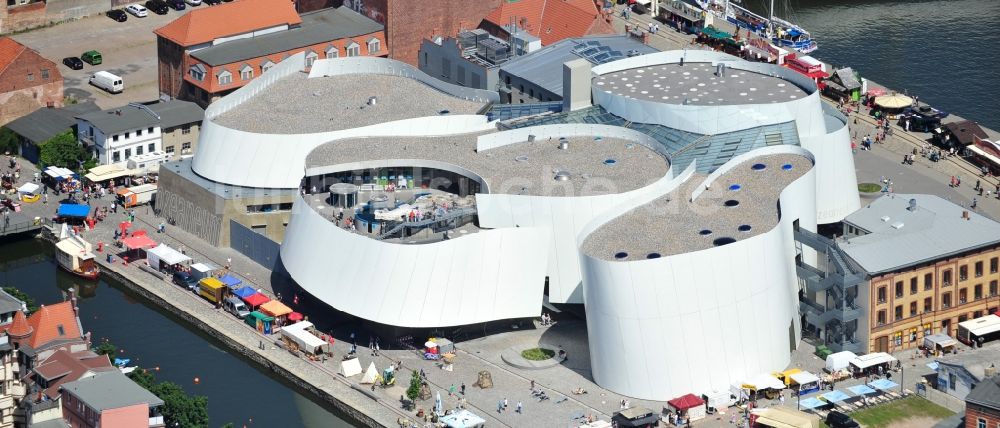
[156, 421]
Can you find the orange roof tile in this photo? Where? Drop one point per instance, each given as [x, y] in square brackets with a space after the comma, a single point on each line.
[9, 51]
[205, 24]
[54, 322]
[19, 328]
[549, 20]
[62, 367]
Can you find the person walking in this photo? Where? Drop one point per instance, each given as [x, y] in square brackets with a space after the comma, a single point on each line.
[532, 384]
[505, 404]
[519, 409]
[462, 388]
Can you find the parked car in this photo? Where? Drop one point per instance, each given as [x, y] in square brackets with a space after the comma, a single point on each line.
[92, 57]
[918, 121]
[835, 419]
[107, 81]
[193, 2]
[118, 15]
[177, 4]
[185, 280]
[236, 307]
[138, 10]
[73, 63]
[157, 6]
[211, 2]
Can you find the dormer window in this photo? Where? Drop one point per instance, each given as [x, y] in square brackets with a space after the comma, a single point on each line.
[332, 52]
[197, 72]
[225, 77]
[311, 58]
[354, 49]
[373, 46]
[266, 66]
[246, 73]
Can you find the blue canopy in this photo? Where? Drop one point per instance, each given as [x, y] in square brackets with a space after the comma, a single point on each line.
[245, 292]
[230, 281]
[73, 210]
[835, 396]
[884, 384]
[812, 403]
[861, 390]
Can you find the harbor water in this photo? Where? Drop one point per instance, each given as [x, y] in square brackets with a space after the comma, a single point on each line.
[237, 391]
[944, 51]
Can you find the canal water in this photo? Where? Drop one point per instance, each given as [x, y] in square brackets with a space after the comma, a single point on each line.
[237, 391]
[944, 51]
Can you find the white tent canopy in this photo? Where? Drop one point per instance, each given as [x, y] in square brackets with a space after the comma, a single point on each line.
[839, 360]
[299, 332]
[871, 360]
[202, 270]
[463, 419]
[108, 172]
[766, 381]
[804, 378]
[352, 367]
[718, 399]
[31, 188]
[371, 374]
[165, 254]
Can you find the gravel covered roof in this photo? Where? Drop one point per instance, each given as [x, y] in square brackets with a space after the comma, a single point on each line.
[698, 84]
[520, 168]
[672, 224]
[299, 105]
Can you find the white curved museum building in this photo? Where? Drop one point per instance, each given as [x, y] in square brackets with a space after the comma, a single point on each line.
[664, 202]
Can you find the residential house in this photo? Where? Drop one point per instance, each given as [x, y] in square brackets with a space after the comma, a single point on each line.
[110, 399]
[9, 305]
[958, 374]
[11, 389]
[140, 133]
[549, 20]
[907, 266]
[538, 76]
[43, 399]
[210, 52]
[41, 125]
[982, 405]
[28, 81]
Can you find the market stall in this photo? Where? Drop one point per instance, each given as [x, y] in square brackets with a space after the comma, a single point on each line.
[839, 361]
[765, 384]
[277, 310]
[244, 292]
[463, 419]
[781, 417]
[107, 174]
[805, 382]
[635, 417]
[72, 213]
[202, 270]
[875, 363]
[259, 321]
[940, 343]
[302, 336]
[137, 244]
[255, 300]
[231, 281]
[688, 406]
[29, 192]
[717, 400]
[163, 257]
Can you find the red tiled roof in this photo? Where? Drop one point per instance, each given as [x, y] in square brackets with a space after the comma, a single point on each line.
[53, 322]
[63, 366]
[205, 24]
[9, 51]
[550, 20]
[19, 328]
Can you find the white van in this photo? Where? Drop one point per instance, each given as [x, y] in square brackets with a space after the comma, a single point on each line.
[107, 81]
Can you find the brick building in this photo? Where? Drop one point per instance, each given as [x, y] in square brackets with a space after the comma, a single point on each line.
[982, 405]
[19, 15]
[549, 20]
[28, 81]
[201, 60]
[408, 23]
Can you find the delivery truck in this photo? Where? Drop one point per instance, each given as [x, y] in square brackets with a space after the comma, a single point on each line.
[136, 195]
[212, 290]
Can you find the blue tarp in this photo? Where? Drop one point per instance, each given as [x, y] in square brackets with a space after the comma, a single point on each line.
[835, 396]
[884, 384]
[230, 281]
[73, 210]
[861, 390]
[812, 403]
[245, 292]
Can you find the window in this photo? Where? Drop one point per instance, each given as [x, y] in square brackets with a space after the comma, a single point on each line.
[138, 150]
[126, 135]
[913, 309]
[898, 338]
[170, 150]
[899, 289]
[246, 73]
[31, 77]
[116, 156]
[425, 58]
[881, 295]
[61, 330]
[374, 46]
[952, 380]
[332, 52]
[994, 262]
[128, 153]
[913, 334]
[149, 130]
[963, 272]
[152, 147]
[266, 66]
[928, 304]
[977, 292]
[138, 132]
[928, 281]
[963, 296]
[311, 58]
[980, 422]
[993, 288]
[225, 78]
[899, 313]
[978, 269]
[197, 72]
[913, 286]
[945, 300]
[45, 73]
[186, 129]
[977, 314]
[353, 49]
[946, 278]
[186, 146]
[113, 137]
[880, 319]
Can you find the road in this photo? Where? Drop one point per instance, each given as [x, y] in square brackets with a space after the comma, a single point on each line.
[128, 48]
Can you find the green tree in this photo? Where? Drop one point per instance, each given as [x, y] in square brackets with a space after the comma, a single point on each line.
[179, 409]
[414, 390]
[107, 348]
[62, 150]
[22, 296]
[8, 141]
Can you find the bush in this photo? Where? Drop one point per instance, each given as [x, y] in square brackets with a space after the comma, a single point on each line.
[179, 409]
[869, 188]
[414, 390]
[537, 354]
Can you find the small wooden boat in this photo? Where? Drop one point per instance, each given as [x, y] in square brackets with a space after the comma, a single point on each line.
[75, 255]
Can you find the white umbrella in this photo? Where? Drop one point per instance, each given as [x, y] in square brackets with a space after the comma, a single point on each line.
[430, 344]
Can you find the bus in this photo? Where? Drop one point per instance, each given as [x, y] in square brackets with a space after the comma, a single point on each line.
[980, 330]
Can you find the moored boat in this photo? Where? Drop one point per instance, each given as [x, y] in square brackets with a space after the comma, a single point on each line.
[75, 255]
[778, 31]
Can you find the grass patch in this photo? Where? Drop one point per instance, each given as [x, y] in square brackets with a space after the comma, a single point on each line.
[537, 354]
[869, 188]
[909, 407]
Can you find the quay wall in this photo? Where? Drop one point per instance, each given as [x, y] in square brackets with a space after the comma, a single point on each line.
[332, 393]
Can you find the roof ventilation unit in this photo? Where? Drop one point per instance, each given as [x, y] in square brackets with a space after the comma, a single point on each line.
[563, 144]
[372, 101]
[913, 205]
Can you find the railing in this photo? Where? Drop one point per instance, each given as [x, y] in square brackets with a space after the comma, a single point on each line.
[451, 215]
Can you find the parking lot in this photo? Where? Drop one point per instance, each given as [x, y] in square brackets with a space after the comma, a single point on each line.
[128, 48]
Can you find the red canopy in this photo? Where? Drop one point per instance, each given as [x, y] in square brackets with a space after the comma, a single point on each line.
[256, 299]
[138, 240]
[685, 402]
[295, 316]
